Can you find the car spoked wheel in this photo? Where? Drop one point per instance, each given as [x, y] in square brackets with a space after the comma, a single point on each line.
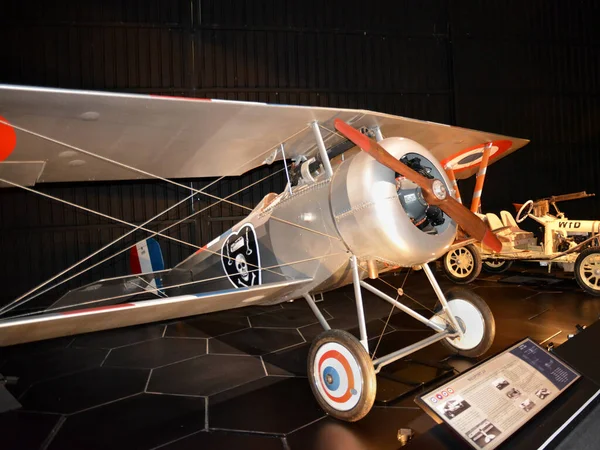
[475, 319]
[496, 265]
[587, 270]
[341, 375]
[462, 265]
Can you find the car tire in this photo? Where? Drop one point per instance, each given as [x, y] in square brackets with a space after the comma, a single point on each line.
[496, 265]
[587, 270]
[462, 265]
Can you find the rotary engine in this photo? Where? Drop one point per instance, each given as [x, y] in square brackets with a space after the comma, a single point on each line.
[383, 216]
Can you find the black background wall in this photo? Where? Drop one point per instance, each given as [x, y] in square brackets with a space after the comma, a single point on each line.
[523, 68]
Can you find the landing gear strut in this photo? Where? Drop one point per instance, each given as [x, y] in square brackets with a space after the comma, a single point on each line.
[341, 373]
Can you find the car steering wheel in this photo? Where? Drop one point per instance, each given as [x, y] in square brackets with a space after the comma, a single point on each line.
[524, 211]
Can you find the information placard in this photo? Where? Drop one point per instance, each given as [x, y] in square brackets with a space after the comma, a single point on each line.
[489, 402]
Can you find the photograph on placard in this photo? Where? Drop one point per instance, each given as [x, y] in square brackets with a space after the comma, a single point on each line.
[513, 393]
[483, 433]
[542, 393]
[500, 383]
[527, 405]
[454, 407]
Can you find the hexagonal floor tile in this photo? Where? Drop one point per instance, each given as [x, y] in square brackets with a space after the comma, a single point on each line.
[34, 348]
[82, 390]
[140, 422]
[558, 281]
[119, 337]
[371, 433]
[207, 326]
[499, 293]
[206, 375]
[246, 311]
[22, 430]
[402, 379]
[218, 440]
[348, 323]
[290, 317]
[286, 404]
[156, 353]
[255, 341]
[396, 340]
[402, 321]
[253, 310]
[300, 304]
[288, 362]
[345, 307]
[51, 364]
[554, 309]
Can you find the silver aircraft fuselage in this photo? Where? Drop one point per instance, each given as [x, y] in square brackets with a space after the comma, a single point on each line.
[292, 245]
[313, 229]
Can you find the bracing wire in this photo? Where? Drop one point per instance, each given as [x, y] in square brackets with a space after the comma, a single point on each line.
[15, 302]
[22, 300]
[393, 307]
[389, 315]
[166, 180]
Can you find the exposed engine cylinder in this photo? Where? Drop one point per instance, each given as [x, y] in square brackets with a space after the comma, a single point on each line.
[381, 218]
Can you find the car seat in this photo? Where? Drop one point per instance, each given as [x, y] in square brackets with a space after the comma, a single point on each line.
[493, 221]
[508, 220]
[519, 237]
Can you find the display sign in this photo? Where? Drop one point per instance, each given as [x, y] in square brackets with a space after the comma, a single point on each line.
[489, 402]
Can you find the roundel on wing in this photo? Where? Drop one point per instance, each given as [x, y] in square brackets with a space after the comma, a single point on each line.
[8, 139]
[471, 157]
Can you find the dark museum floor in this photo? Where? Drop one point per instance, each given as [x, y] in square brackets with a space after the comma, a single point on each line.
[237, 379]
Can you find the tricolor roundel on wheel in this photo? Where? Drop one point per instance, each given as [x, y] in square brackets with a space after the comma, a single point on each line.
[471, 157]
[339, 376]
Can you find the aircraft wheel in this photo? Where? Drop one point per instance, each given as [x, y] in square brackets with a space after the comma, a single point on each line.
[475, 319]
[341, 375]
[462, 265]
[496, 265]
[587, 270]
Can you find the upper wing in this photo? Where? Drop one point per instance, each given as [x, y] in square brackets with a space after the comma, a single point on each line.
[186, 138]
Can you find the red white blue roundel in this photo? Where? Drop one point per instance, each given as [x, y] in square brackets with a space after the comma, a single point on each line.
[471, 157]
[337, 376]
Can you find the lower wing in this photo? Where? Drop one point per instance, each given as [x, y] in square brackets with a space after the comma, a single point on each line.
[52, 325]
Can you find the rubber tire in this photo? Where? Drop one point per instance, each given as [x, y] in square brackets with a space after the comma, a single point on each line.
[578, 277]
[476, 265]
[369, 380]
[503, 268]
[488, 319]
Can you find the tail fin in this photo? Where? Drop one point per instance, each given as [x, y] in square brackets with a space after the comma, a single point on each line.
[146, 257]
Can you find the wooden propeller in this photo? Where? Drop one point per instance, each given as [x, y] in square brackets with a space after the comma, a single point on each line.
[434, 190]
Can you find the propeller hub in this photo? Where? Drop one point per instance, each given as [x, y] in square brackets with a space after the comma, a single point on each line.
[439, 190]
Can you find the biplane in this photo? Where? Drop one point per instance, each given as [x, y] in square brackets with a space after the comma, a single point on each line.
[344, 215]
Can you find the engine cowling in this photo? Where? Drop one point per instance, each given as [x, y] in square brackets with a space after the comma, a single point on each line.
[382, 219]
